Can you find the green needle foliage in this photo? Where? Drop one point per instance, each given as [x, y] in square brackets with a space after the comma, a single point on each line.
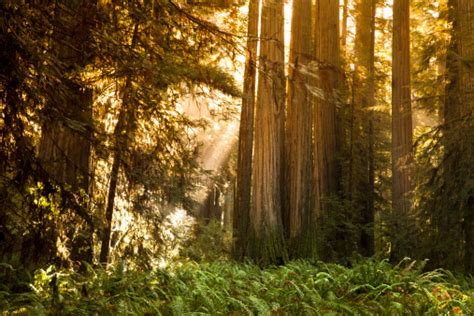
[370, 287]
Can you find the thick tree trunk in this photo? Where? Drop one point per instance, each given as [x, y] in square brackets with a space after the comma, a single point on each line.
[65, 148]
[364, 99]
[402, 133]
[325, 171]
[466, 52]
[241, 217]
[299, 137]
[266, 245]
[459, 121]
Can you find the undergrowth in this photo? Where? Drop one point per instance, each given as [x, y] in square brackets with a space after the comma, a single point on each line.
[226, 288]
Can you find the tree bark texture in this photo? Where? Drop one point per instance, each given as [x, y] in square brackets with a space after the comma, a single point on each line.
[299, 134]
[241, 216]
[362, 190]
[402, 131]
[65, 148]
[459, 134]
[325, 129]
[267, 245]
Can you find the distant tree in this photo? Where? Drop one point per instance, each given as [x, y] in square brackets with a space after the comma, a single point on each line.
[402, 131]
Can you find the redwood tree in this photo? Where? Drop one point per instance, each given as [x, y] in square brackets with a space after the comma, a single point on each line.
[325, 128]
[266, 242]
[299, 138]
[244, 161]
[456, 209]
[65, 147]
[362, 153]
[402, 131]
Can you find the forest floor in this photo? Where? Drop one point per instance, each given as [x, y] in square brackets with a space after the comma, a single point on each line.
[226, 288]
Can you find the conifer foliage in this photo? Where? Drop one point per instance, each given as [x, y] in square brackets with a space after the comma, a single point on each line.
[103, 75]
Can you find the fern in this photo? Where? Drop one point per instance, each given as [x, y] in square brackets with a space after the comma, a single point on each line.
[371, 287]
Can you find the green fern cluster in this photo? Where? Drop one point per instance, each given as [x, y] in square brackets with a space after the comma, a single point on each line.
[226, 288]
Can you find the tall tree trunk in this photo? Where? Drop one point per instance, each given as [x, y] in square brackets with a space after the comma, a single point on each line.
[241, 217]
[459, 121]
[364, 98]
[402, 132]
[465, 48]
[299, 137]
[325, 171]
[65, 147]
[266, 244]
[122, 132]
